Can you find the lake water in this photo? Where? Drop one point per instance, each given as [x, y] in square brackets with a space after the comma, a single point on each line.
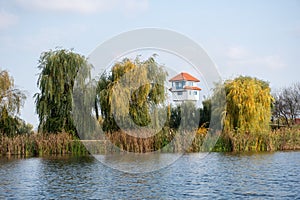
[216, 176]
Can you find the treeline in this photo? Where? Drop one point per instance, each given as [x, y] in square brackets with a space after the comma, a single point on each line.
[127, 104]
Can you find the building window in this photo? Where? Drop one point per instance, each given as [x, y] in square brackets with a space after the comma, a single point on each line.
[179, 93]
[195, 92]
[190, 93]
[178, 85]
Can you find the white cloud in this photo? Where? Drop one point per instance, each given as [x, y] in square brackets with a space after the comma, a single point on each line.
[83, 6]
[80, 6]
[7, 19]
[136, 5]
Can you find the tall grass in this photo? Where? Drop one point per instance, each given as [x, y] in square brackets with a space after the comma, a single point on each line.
[167, 140]
[41, 144]
[273, 140]
[284, 139]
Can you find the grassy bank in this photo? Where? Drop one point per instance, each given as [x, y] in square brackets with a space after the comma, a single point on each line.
[165, 141]
[41, 144]
[170, 141]
[273, 140]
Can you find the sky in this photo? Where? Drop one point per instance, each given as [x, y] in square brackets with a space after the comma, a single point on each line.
[253, 38]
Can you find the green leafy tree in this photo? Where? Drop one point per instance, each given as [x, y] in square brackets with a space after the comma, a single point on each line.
[186, 115]
[59, 69]
[175, 117]
[205, 113]
[11, 101]
[131, 91]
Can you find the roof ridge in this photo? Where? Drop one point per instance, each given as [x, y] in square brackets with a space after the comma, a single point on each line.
[184, 76]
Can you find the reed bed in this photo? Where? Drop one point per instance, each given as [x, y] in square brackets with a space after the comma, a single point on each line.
[273, 140]
[167, 140]
[284, 139]
[41, 144]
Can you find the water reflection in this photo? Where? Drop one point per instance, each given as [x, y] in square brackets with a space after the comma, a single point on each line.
[138, 162]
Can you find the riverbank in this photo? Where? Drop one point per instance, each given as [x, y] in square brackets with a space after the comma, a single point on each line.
[164, 141]
[274, 140]
[41, 145]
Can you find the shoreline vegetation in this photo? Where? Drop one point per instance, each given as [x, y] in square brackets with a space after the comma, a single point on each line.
[65, 144]
[235, 118]
[28, 145]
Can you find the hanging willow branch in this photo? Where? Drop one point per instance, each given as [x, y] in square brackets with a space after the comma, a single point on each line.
[129, 91]
[56, 81]
[248, 107]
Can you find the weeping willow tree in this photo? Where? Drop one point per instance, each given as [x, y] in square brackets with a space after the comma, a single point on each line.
[129, 93]
[248, 105]
[59, 69]
[11, 101]
[248, 112]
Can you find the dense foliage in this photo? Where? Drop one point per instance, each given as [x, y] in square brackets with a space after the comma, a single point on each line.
[247, 114]
[186, 114]
[248, 105]
[132, 90]
[56, 80]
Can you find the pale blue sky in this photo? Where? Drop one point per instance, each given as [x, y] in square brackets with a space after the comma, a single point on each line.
[256, 38]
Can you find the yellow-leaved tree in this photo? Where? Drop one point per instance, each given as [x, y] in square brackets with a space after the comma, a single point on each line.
[248, 113]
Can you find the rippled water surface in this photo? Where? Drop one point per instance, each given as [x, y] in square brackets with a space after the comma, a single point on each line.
[218, 175]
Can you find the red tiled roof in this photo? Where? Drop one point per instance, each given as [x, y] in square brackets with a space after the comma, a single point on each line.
[184, 76]
[192, 88]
